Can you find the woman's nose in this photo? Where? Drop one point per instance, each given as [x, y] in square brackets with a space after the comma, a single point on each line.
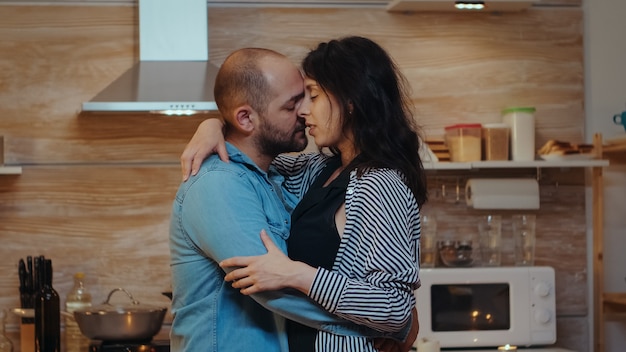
[303, 109]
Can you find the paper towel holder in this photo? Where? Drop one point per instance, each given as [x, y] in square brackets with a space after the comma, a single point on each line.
[502, 193]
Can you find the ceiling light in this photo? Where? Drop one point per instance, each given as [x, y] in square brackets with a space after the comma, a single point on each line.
[469, 5]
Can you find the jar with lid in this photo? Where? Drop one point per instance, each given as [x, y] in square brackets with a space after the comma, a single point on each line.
[495, 141]
[521, 121]
[456, 253]
[464, 142]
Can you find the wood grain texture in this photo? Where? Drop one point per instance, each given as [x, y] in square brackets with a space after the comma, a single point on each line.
[110, 222]
[572, 333]
[96, 189]
[461, 68]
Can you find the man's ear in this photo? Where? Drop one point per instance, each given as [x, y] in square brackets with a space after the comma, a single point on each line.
[244, 116]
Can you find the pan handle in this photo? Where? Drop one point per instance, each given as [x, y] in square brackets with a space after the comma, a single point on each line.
[67, 314]
[132, 299]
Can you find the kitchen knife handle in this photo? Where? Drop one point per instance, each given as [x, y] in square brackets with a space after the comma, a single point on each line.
[25, 297]
[21, 272]
[29, 276]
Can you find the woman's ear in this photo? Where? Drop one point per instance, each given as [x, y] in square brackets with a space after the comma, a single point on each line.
[244, 116]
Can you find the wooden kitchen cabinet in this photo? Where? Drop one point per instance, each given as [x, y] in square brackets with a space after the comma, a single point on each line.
[559, 2]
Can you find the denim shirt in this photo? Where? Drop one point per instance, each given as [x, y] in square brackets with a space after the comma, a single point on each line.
[218, 214]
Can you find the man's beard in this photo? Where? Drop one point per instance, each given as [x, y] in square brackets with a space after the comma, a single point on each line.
[273, 141]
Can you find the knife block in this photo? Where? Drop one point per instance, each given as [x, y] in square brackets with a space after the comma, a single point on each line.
[1, 150]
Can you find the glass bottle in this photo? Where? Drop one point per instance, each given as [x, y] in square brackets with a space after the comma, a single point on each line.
[5, 343]
[47, 313]
[77, 298]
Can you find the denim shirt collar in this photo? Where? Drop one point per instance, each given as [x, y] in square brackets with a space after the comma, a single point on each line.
[238, 156]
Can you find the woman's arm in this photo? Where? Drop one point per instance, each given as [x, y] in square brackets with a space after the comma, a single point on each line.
[208, 139]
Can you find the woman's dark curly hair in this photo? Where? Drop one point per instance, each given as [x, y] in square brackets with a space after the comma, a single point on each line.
[374, 104]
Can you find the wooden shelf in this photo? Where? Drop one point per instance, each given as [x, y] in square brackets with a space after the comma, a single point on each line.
[515, 164]
[614, 148]
[448, 5]
[614, 302]
[615, 151]
[10, 170]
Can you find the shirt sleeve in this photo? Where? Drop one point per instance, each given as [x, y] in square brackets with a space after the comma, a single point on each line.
[231, 217]
[300, 170]
[381, 242]
[290, 164]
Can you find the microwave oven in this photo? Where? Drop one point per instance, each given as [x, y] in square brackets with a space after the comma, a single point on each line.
[487, 306]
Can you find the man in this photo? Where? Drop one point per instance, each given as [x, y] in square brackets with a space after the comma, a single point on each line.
[218, 214]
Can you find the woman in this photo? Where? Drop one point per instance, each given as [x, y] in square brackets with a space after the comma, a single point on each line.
[355, 234]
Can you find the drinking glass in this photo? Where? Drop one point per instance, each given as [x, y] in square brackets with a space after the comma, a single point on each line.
[490, 236]
[428, 242]
[524, 238]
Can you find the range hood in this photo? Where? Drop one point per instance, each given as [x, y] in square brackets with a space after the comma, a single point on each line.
[173, 75]
[456, 5]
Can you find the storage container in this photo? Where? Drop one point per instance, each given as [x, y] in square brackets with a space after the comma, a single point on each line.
[464, 142]
[521, 121]
[495, 139]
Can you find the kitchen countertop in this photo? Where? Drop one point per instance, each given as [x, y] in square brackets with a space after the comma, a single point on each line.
[519, 349]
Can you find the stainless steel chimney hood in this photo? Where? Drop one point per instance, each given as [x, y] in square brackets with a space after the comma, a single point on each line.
[173, 75]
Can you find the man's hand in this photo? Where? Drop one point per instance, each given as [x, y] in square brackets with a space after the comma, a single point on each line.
[208, 139]
[390, 345]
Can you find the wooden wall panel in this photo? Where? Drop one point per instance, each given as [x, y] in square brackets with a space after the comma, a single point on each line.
[96, 189]
[572, 333]
[461, 68]
[110, 222]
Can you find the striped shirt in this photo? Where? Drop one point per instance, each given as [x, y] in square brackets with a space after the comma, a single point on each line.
[377, 266]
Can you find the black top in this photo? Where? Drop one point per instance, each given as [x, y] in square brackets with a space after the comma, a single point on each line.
[314, 238]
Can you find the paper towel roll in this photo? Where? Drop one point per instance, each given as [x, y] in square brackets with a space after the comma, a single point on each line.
[427, 345]
[502, 193]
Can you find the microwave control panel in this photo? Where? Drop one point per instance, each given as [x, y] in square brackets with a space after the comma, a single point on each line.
[543, 304]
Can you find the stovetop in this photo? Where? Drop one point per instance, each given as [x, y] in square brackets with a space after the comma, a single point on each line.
[132, 346]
